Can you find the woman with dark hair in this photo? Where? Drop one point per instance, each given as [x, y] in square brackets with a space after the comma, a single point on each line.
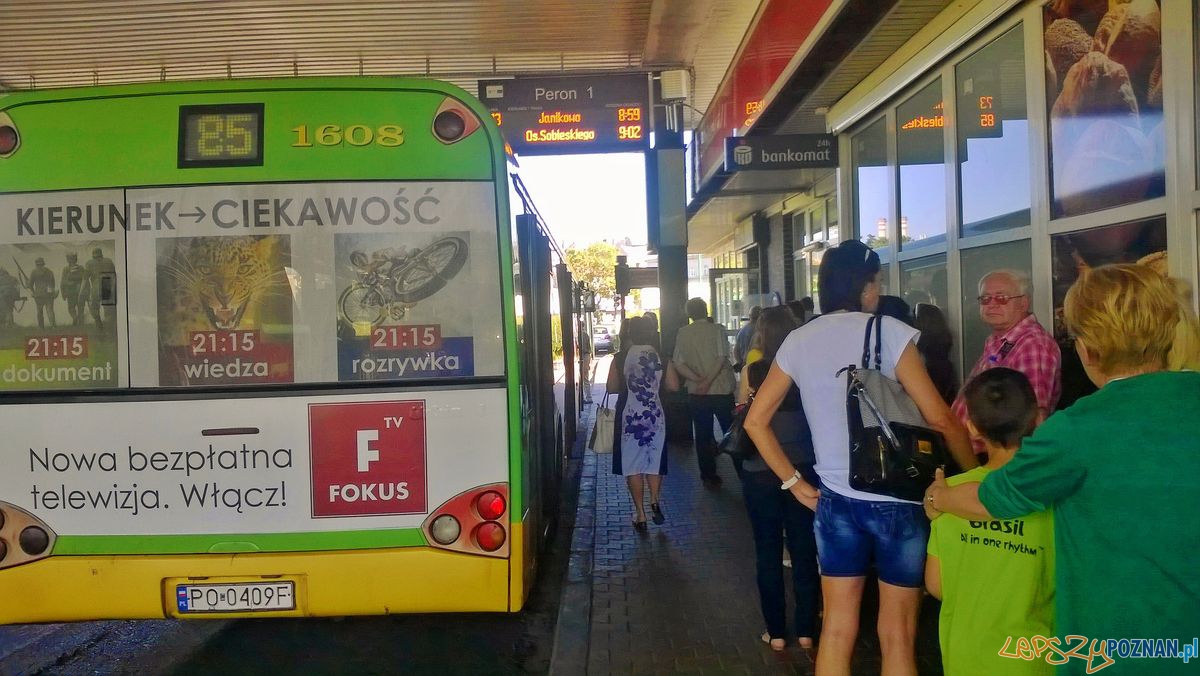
[934, 345]
[641, 426]
[855, 530]
[774, 512]
[896, 307]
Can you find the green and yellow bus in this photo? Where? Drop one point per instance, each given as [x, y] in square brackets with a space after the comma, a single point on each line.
[267, 348]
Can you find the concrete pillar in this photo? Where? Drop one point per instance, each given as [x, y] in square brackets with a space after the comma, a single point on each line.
[666, 219]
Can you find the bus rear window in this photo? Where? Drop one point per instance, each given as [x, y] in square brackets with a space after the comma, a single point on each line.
[215, 285]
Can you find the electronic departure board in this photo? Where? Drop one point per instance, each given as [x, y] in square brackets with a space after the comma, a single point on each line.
[221, 135]
[583, 114]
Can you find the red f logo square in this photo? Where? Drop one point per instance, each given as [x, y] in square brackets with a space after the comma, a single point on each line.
[367, 459]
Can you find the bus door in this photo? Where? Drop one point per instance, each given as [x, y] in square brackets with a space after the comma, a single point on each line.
[544, 449]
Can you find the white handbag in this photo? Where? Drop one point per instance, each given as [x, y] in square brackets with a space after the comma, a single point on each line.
[604, 429]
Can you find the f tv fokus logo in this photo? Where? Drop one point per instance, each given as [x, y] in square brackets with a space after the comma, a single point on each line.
[368, 459]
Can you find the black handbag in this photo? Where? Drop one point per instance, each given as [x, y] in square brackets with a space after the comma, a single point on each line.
[736, 443]
[893, 451]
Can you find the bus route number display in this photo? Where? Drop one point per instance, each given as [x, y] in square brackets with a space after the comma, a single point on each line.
[221, 136]
[583, 114]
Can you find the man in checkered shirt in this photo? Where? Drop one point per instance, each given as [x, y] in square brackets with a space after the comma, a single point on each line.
[1017, 342]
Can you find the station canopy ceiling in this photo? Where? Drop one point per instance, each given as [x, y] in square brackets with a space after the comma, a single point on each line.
[67, 43]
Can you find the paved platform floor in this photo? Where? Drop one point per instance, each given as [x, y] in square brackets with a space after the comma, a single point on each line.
[682, 597]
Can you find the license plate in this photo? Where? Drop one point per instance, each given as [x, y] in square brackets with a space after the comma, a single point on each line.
[236, 597]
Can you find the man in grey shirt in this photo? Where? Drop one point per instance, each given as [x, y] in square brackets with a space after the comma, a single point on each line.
[702, 359]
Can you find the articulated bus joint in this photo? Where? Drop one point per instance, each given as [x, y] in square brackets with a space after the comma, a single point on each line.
[23, 537]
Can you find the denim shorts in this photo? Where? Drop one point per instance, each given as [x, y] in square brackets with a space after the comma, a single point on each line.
[851, 533]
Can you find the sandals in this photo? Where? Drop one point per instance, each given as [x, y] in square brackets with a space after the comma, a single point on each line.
[657, 516]
[777, 644]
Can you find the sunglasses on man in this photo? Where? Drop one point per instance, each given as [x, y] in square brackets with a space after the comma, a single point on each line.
[997, 298]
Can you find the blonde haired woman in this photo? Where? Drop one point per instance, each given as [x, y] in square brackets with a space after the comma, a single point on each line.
[1119, 467]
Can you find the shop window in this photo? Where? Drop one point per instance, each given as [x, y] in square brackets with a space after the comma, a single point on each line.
[1104, 92]
[813, 267]
[923, 286]
[816, 217]
[920, 150]
[993, 137]
[831, 219]
[800, 235]
[977, 262]
[923, 280]
[1143, 242]
[869, 156]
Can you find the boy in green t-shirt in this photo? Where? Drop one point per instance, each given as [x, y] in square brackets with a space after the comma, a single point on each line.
[995, 578]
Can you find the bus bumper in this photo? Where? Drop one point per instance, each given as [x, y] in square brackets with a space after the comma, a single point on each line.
[361, 582]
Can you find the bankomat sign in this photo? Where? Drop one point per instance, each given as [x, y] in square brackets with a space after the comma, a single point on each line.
[790, 151]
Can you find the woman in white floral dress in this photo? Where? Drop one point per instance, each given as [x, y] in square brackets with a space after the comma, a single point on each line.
[643, 428]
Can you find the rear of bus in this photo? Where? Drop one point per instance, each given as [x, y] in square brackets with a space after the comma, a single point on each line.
[254, 353]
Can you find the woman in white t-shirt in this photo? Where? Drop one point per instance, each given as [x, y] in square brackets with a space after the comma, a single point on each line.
[855, 531]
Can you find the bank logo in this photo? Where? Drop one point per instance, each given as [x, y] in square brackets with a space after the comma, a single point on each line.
[368, 459]
[743, 155]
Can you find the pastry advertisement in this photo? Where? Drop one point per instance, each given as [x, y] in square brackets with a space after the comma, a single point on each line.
[224, 310]
[1104, 90]
[404, 308]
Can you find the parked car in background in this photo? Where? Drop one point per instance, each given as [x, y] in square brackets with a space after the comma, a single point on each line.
[602, 340]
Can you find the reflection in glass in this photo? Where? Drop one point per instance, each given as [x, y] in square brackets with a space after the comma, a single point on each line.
[869, 155]
[920, 152]
[1104, 89]
[993, 137]
[923, 287]
[923, 280]
[1143, 242]
[977, 262]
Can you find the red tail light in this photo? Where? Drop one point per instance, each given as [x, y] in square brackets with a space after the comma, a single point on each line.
[490, 506]
[471, 522]
[490, 536]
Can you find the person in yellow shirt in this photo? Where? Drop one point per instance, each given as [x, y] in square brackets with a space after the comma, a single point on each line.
[995, 578]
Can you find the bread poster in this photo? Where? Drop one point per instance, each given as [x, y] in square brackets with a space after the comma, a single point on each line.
[1104, 90]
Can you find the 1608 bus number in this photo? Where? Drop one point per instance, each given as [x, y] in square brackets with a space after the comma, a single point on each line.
[386, 135]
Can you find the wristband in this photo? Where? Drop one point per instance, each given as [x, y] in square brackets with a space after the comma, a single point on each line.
[792, 481]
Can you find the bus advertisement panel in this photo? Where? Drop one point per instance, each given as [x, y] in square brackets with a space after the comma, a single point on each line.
[257, 353]
[61, 316]
[316, 282]
[319, 473]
